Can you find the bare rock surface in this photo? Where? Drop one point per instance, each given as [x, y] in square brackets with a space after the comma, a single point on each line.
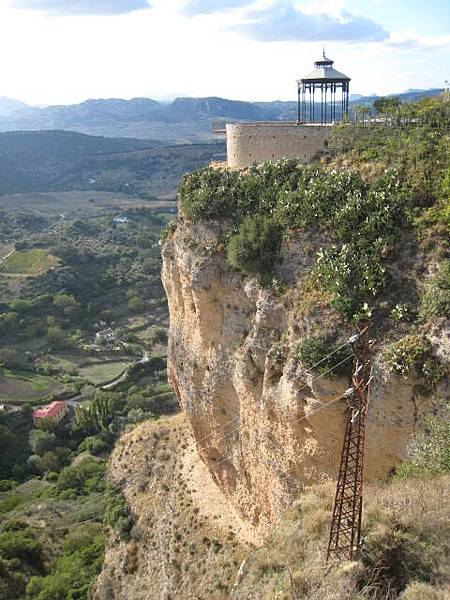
[263, 425]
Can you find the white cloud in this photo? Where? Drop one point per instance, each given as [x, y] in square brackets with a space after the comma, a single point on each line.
[65, 59]
[81, 7]
[284, 21]
[409, 40]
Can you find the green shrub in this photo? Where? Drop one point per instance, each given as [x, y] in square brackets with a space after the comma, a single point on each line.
[429, 453]
[254, 249]
[413, 355]
[117, 514]
[84, 478]
[73, 573]
[42, 441]
[11, 501]
[94, 445]
[7, 484]
[270, 199]
[20, 544]
[435, 302]
[312, 350]
[168, 230]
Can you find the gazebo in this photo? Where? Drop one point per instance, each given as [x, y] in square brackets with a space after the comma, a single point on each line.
[332, 86]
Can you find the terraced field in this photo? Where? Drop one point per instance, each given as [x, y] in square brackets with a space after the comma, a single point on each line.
[24, 386]
[100, 373]
[28, 262]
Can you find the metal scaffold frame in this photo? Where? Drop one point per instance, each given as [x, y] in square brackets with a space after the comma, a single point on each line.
[345, 531]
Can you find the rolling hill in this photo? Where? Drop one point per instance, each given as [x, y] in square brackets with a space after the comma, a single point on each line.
[182, 121]
[42, 161]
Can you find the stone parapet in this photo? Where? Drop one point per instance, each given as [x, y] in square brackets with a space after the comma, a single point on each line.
[249, 143]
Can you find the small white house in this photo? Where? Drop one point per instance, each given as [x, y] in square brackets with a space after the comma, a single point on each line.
[105, 337]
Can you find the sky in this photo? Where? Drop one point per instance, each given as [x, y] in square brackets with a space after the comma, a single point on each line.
[65, 51]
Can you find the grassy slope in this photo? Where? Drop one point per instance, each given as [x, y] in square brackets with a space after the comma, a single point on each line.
[29, 262]
[25, 386]
[178, 547]
[405, 535]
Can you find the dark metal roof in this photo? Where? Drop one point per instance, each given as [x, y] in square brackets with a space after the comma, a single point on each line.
[325, 74]
[324, 71]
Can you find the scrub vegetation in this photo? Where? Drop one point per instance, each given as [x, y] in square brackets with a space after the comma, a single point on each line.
[362, 211]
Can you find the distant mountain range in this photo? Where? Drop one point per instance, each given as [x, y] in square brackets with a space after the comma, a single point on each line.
[184, 120]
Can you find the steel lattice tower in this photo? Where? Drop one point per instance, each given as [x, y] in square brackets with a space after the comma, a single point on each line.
[345, 529]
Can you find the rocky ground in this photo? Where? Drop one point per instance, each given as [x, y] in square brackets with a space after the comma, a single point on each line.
[187, 541]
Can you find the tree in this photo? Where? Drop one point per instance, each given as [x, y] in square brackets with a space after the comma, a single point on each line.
[42, 441]
[11, 359]
[21, 306]
[386, 105]
[254, 249]
[135, 304]
[10, 321]
[67, 303]
[48, 462]
[55, 335]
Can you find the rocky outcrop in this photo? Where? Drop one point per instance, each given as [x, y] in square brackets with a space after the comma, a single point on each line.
[264, 426]
[186, 542]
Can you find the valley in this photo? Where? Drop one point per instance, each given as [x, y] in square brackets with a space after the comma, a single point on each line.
[198, 336]
[73, 264]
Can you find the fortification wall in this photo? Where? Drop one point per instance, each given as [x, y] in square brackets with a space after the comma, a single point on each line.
[249, 143]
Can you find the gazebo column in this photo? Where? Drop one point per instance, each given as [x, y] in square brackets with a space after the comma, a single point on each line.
[314, 104]
[304, 102]
[334, 102]
[321, 103]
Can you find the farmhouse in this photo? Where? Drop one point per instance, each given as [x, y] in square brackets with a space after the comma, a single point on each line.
[54, 411]
[105, 337]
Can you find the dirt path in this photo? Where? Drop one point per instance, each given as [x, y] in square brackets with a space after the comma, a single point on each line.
[3, 258]
[211, 501]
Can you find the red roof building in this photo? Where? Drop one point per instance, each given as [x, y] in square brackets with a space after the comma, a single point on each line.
[55, 411]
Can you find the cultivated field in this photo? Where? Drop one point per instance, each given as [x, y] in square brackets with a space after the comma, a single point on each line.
[102, 373]
[79, 205]
[28, 262]
[24, 386]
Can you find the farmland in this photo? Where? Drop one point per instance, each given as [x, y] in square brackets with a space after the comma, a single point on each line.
[31, 262]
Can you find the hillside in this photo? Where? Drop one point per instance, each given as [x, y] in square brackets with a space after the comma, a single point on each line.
[183, 120]
[266, 272]
[41, 161]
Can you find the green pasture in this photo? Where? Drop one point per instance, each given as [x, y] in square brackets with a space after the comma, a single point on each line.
[28, 262]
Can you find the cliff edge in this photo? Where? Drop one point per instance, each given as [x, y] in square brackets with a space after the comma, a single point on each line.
[265, 425]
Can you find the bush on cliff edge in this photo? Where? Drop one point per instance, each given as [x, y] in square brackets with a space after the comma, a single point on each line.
[254, 248]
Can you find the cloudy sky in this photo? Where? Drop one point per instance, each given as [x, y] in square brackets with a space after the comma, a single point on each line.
[64, 51]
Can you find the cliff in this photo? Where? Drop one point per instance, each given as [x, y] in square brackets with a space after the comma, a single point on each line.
[265, 425]
[266, 271]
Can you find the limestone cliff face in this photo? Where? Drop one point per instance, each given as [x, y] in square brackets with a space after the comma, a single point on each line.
[252, 407]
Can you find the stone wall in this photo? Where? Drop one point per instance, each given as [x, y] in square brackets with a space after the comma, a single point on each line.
[249, 143]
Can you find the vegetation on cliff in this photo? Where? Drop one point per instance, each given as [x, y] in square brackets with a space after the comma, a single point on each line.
[360, 212]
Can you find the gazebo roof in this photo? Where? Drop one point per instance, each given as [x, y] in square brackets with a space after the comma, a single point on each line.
[324, 71]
